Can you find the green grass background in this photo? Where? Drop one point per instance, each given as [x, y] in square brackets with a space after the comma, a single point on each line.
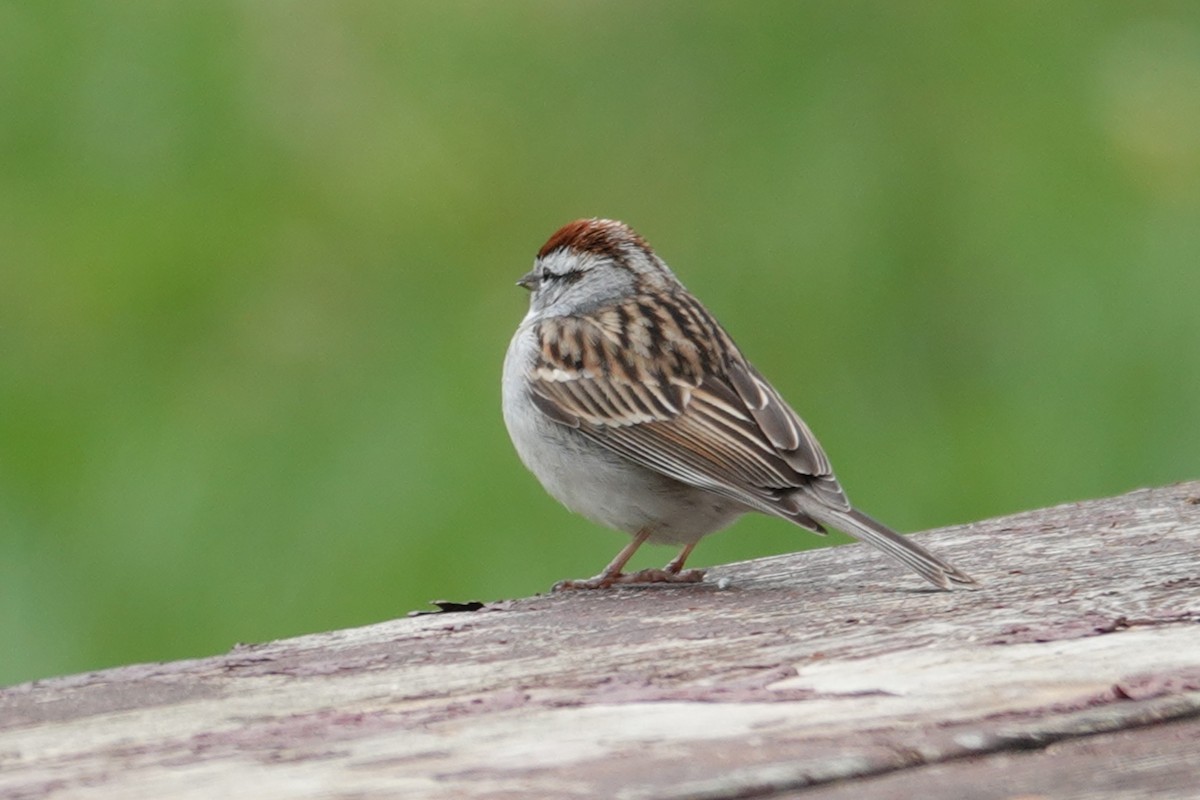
[257, 265]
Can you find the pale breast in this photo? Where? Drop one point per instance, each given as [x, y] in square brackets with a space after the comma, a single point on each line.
[591, 480]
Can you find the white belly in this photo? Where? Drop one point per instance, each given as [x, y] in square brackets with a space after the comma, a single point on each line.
[597, 483]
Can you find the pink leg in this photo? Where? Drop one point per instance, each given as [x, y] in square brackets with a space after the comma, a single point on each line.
[672, 573]
[612, 572]
[676, 564]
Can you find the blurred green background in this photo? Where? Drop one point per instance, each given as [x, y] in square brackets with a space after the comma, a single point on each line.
[257, 267]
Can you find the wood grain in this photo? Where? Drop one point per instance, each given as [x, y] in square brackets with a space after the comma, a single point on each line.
[1075, 672]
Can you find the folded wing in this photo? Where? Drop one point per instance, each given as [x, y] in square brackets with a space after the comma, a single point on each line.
[635, 379]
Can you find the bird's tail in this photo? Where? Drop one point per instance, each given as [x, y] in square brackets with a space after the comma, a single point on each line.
[901, 548]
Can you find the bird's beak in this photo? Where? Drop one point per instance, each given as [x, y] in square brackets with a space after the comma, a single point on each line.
[529, 280]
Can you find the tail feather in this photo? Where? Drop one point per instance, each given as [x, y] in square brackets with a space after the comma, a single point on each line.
[862, 527]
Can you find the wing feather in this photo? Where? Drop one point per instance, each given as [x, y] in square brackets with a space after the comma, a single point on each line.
[706, 418]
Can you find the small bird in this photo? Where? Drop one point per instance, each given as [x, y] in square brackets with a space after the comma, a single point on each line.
[633, 407]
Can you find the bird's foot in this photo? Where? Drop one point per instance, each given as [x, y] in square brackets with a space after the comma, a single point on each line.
[605, 580]
[665, 576]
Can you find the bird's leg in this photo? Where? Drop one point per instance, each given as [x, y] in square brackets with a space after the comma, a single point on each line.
[675, 565]
[612, 575]
[673, 572]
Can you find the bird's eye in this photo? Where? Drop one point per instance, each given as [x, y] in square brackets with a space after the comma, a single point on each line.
[570, 276]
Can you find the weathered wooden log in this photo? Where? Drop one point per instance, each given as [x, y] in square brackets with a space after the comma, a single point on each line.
[827, 674]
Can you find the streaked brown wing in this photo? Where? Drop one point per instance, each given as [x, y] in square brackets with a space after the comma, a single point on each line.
[635, 379]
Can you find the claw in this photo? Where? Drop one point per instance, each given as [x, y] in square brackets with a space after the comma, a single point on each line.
[604, 581]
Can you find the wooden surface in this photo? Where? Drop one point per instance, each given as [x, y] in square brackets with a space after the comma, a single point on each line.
[1074, 673]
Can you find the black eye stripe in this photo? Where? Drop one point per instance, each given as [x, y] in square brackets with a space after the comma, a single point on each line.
[570, 276]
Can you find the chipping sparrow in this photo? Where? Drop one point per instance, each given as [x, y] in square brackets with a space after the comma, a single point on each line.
[634, 408]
